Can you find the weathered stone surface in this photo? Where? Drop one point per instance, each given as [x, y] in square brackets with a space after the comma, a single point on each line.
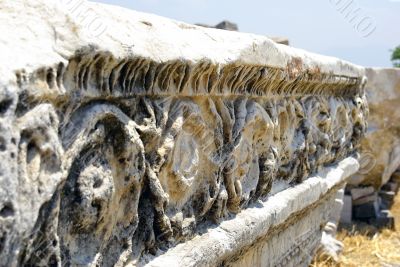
[122, 143]
[346, 216]
[279, 39]
[230, 26]
[360, 192]
[381, 146]
[284, 227]
[365, 199]
[380, 149]
[331, 247]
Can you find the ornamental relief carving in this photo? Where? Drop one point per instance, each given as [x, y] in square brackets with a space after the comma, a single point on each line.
[140, 155]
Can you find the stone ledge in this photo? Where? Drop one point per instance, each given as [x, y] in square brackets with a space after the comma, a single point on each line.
[256, 223]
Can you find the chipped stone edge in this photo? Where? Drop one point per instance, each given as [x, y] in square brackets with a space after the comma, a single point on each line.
[233, 236]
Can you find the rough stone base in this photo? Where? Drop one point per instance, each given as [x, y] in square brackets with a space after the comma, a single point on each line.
[299, 241]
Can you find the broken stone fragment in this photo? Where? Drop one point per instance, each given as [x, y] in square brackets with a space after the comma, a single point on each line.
[380, 151]
[360, 192]
[366, 199]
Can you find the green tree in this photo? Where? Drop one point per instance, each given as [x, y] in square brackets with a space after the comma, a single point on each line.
[396, 57]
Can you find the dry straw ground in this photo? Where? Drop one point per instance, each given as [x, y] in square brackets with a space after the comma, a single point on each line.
[367, 246]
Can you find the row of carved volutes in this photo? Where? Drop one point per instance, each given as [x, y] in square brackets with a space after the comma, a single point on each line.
[93, 73]
[130, 176]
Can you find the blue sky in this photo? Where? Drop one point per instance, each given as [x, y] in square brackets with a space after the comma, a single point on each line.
[361, 31]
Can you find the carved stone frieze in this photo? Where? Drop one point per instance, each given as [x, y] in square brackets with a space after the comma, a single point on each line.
[108, 157]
